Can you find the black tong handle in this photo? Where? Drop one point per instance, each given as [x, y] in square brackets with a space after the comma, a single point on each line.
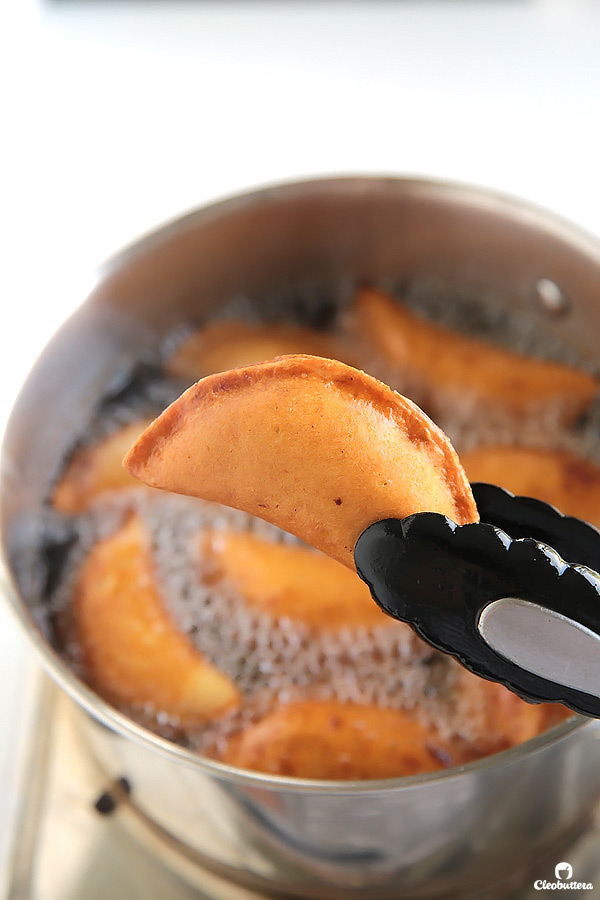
[440, 577]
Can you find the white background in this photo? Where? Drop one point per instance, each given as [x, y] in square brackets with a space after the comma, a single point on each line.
[116, 116]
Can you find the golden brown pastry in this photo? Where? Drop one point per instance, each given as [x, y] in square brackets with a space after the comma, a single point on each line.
[132, 653]
[443, 368]
[316, 447]
[496, 718]
[229, 345]
[332, 740]
[95, 470]
[289, 581]
[563, 479]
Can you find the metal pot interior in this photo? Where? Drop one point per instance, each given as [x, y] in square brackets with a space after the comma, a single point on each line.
[293, 252]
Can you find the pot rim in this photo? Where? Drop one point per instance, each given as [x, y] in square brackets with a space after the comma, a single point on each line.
[453, 191]
[487, 199]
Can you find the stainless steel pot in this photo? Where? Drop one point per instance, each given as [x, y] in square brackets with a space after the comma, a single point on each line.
[437, 835]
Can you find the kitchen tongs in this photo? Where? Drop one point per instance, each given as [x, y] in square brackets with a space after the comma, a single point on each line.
[515, 598]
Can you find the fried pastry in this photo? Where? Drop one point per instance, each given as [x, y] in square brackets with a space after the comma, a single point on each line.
[229, 345]
[328, 739]
[496, 718]
[291, 582]
[443, 369]
[313, 446]
[132, 653]
[563, 479]
[94, 470]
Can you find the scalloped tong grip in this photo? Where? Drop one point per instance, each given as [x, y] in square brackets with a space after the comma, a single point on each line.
[515, 598]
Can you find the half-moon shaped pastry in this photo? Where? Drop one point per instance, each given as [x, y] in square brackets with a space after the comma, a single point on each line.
[328, 739]
[563, 479]
[288, 581]
[316, 447]
[132, 653]
[96, 469]
[495, 718]
[220, 346]
[442, 368]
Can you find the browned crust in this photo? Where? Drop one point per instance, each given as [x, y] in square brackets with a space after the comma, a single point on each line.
[219, 346]
[95, 470]
[334, 740]
[133, 653]
[289, 581]
[559, 477]
[444, 367]
[417, 426]
[274, 438]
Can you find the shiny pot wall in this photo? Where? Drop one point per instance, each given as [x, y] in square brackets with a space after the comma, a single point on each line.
[439, 835]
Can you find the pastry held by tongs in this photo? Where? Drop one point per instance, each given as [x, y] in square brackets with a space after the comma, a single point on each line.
[337, 458]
